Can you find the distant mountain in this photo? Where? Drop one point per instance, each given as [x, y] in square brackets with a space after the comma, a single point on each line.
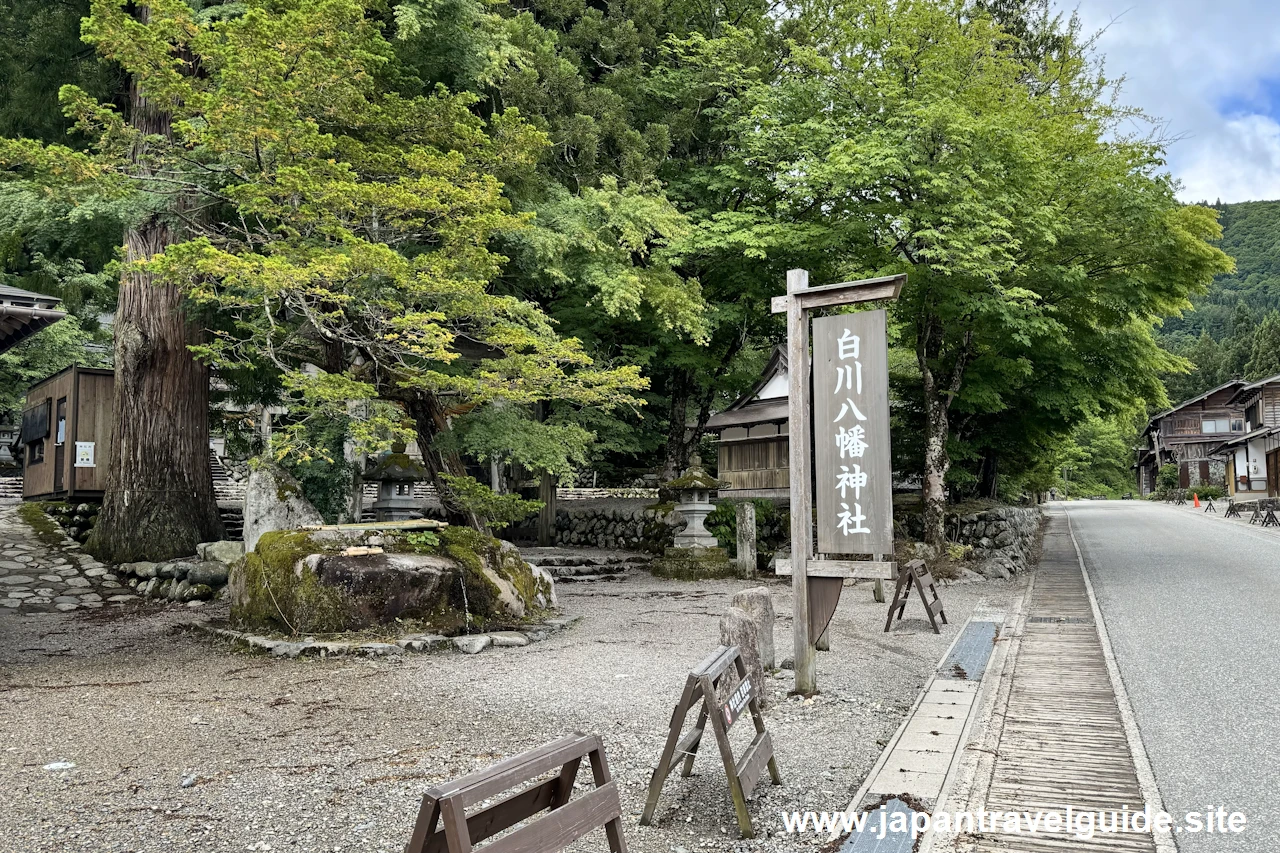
[1251, 235]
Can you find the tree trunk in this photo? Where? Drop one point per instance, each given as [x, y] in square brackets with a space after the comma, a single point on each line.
[429, 418]
[159, 501]
[676, 457]
[989, 476]
[936, 465]
[937, 412]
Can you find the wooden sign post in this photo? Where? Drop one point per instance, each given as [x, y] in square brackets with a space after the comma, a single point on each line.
[850, 401]
[703, 685]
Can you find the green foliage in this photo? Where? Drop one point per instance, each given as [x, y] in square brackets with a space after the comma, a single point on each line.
[507, 434]
[424, 540]
[1168, 477]
[1097, 457]
[40, 356]
[499, 510]
[326, 477]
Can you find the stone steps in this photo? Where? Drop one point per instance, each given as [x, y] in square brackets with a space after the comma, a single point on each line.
[586, 566]
[232, 522]
[10, 488]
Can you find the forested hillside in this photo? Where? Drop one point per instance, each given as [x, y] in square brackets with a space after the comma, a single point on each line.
[1234, 329]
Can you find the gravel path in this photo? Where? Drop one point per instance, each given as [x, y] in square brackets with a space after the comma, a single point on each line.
[180, 744]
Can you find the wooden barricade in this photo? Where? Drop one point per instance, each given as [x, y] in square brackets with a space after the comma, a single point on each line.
[917, 576]
[1233, 511]
[703, 686]
[444, 825]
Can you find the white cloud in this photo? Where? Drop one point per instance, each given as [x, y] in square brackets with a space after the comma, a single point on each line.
[1242, 163]
[1211, 70]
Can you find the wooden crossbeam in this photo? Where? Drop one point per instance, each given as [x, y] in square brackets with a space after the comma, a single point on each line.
[844, 293]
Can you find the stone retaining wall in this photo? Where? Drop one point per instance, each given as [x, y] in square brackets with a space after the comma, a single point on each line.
[630, 526]
[1004, 539]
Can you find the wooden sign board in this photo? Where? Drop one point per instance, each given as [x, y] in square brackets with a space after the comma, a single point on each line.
[737, 703]
[703, 686]
[916, 576]
[445, 825]
[846, 525]
[852, 470]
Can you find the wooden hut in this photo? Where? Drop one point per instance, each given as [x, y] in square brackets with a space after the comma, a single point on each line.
[66, 435]
[754, 450]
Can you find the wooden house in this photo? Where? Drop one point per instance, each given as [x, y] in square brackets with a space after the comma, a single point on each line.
[1190, 435]
[66, 435]
[754, 451]
[1253, 457]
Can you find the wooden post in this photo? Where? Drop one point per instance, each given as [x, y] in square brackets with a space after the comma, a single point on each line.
[746, 514]
[798, 436]
[547, 516]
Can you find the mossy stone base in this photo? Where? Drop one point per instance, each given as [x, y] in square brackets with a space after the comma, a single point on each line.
[308, 582]
[693, 564]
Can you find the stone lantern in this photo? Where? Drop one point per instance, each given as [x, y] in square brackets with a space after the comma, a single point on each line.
[693, 490]
[396, 473]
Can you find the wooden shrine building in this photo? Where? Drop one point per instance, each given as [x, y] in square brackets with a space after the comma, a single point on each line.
[753, 444]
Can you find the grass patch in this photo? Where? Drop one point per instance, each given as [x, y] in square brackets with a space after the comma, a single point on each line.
[46, 529]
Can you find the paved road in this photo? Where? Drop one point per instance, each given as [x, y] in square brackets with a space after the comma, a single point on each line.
[1193, 608]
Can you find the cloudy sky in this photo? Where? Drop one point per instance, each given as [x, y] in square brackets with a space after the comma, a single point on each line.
[1211, 70]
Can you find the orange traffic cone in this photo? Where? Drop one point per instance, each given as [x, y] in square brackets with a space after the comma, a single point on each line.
[1195, 498]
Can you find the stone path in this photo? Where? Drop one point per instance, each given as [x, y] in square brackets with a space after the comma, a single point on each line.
[40, 578]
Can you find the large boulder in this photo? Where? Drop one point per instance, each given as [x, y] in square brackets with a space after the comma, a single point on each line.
[739, 629]
[758, 604]
[330, 581]
[273, 500]
[226, 551]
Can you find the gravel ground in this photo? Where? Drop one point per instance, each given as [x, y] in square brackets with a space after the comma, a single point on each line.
[180, 743]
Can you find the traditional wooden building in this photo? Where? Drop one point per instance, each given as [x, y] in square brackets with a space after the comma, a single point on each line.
[754, 452]
[66, 435]
[1253, 457]
[1190, 435]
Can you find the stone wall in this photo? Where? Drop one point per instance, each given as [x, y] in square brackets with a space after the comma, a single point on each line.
[197, 578]
[1004, 539]
[632, 525]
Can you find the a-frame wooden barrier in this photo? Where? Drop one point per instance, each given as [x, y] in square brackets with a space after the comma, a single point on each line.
[552, 818]
[917, 576]
[703, 686]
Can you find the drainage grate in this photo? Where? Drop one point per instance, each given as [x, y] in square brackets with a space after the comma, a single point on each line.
[870, 839]
[1073, 620]
[968, 658]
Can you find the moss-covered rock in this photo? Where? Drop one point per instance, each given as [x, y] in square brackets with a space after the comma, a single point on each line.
[331, 581]
[693, 564]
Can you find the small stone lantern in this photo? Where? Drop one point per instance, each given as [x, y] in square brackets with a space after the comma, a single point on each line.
[694, 488]
[396, 473]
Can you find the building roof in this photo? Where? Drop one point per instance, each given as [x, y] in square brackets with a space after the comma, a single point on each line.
[23, 313]
[754, 407]
[1244, 392]
[1206, 395]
